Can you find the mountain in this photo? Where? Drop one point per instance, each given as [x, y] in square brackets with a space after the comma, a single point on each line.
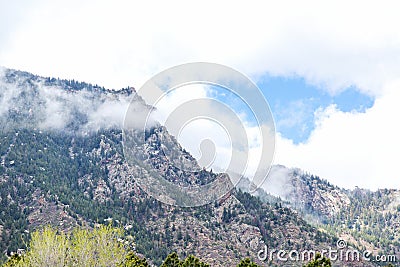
[306, 192]
[369, 220]
[62, 163]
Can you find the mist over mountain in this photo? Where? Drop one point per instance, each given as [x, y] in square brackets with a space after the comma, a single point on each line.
[34, 102]
[368, 219]
[62, 163]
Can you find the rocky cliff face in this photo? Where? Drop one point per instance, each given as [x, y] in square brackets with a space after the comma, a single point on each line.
[367, 220]
[306, 192]
[74, 172]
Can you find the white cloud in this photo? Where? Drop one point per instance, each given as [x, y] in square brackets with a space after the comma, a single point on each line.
[352, 149]
[126, 42]
[210, 121]
[52, 108]
[193, 130]
[331, 44]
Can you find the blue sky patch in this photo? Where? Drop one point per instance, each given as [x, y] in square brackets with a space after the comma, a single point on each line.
[293, 103]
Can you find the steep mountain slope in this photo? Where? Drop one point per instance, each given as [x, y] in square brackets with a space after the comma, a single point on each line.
[306, 192]
[67, 188]
[62, 163]
[368, 220]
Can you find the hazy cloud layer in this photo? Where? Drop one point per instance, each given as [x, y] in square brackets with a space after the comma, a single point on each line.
[332, 45]
[352, 148]
[115, 44]
[30, 102]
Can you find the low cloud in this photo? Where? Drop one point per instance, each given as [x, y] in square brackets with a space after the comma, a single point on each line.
[237, 140]
[32, 102]
[331, 45]
[349, 148]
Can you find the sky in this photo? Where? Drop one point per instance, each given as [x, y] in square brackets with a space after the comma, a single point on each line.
[330, 71]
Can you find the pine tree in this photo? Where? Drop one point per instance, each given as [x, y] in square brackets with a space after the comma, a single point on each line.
[192, 261]
[247, 263]
[319, 261]
[172, 260]
[132, 260]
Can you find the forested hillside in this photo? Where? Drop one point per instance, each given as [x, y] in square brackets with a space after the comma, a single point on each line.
[368, 220]
[62, 164]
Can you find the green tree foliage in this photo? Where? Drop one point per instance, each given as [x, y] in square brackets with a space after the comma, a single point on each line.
[371, 217]
[132, 260]
[173, 260]
[319, 261]
[247, 263]
[192, 261]
[101, 246]
[46, 165]
[13, 261]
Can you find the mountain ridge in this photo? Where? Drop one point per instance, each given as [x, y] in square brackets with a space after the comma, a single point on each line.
[367, 219]
[51, 175]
